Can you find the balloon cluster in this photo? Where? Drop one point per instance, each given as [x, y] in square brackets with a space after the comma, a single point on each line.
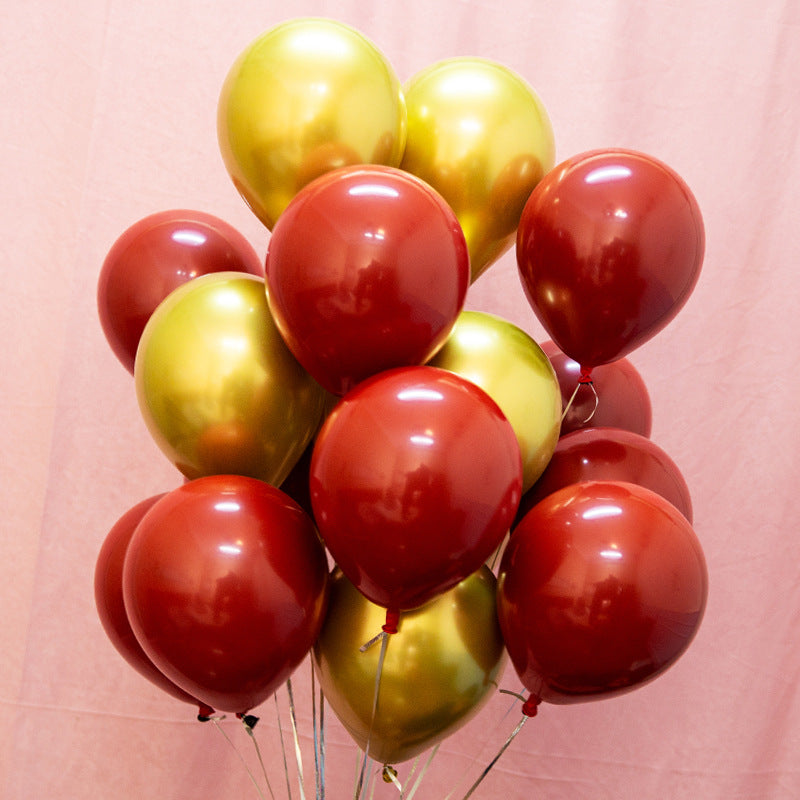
[339, 404]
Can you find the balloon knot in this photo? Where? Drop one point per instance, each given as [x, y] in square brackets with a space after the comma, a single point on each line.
[530, 706]
[392, 620]
[586, 376]
[204, 713]
[250, 720]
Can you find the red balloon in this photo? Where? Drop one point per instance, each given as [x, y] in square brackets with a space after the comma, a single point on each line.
[609, 248]
[156, 255]
[610, 454]
[225, 584]
[367, 269]
[111, 605]
[621, 401]
[415, 479]
[601, 588]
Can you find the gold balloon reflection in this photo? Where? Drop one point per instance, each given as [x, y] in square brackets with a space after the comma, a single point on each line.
[307, 96]
[218, 389]
[515, 372]
[480, 136]
[439, 669]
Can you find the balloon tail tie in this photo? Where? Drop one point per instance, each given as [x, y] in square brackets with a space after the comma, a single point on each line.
[297, 753]
[384, 637]
[319, 737]
[421, 775]
[215, 720]
[205, 713]
[389, 775]
[392, 620]
[249, 721]
[283, 748]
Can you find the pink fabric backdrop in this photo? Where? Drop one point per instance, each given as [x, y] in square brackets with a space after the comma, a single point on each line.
[109, 115]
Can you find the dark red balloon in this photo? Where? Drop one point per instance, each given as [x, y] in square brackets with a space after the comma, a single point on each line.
[367, 269]
[619, 398]
[601, 588]
[610, 454]
[225, 585]
[609, 248]
[111, 605]
[156, 255]
[415, 479]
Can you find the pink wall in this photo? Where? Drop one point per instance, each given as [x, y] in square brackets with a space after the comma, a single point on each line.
[110, 115]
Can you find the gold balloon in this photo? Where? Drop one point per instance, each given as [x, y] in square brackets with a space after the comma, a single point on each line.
[218, 389]
[480, 136]
[307, 96]
[439, 669]
[515, 372]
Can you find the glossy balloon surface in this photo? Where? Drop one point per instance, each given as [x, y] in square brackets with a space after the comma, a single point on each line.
[480, 135]
[225, 584]
[602, 586]
[367, 269]
[609, 247]
[514, 371]
[621, 401]
[307, 96]
[612, 454]
[156, 255]
[111, 604]
[415, 479]
[439, 669]
[217, 387]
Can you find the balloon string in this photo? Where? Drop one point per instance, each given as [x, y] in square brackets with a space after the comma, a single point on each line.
[421, 775]
[389, 775]
[215, 721]
[297, 753]
[585, 380]
[322, 744]
[249, 723]
[318, 762]
[283, 748]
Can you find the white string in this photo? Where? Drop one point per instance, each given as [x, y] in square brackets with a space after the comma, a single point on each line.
[252, 736]
[216, 721]
[297, 753]
[283, 749]
[421, 775]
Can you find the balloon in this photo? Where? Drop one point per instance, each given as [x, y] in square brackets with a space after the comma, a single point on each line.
[480, 135]
[156, 255]
[514, 371]
[439, 669]
[225, 584]
[615, 455]
[111, 605]
[307, 96]
[217, 387]
[366, 270]
[621, 401]
[609, 248]
[601, 588]
[415, 479]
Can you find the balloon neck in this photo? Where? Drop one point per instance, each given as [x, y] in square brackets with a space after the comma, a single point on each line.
[531, 705]
[586, 375]
[249, 720]
[392, 620]
[204, 712]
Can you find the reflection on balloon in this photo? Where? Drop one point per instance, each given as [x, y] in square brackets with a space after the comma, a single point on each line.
[367, 269]
[439, 669]
[609, 248]
[601, 588]
[156, 255]
[306, 97]
[514, 371]
[619, 400]
[415, 479]
[225, 584]
[218, 388]
[480, 135]
[615, 455]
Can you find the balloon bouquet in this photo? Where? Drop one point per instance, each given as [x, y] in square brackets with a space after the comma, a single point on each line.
[338, 406]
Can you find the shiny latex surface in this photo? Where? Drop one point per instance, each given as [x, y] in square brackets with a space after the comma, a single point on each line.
[440, 667]
[511, 367]
[218, 388]
[156, 255]
[480, 135]
[111, 604]
[367, 269]
[307, 96]
[415, 479]
[602, 586]
[609, 248]
[225, 585]
[622, 399]
[611, 454]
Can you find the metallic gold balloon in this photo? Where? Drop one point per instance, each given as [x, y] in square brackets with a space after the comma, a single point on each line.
[439, 669]
[306, 97]
[480, 136]
[515, 372]
[218, 388]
